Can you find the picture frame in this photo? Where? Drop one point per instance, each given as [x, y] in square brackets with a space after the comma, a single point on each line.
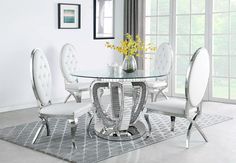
[69, 16]
[103, 19]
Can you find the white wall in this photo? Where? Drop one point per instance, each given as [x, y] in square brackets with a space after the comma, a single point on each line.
[27, 24]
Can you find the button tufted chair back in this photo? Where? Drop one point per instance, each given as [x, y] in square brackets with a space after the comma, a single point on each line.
[68, 62]
[41, 77]
[163, 58]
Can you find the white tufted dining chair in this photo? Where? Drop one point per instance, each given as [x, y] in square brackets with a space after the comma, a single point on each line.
[42, 85]
[195, 87]
[69, 65]
[163, 62]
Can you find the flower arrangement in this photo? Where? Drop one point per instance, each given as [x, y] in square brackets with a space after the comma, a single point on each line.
[130, 47]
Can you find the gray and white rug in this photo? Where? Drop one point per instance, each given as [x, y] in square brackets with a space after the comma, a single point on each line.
[95, 149]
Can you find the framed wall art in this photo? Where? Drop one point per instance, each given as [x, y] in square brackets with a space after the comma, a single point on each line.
[103, 19]
[69, 16]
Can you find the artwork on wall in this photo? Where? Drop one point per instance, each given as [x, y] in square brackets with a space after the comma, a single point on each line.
[103, 19]
[69, 16]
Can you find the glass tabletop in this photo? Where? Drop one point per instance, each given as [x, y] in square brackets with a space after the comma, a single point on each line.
[118, 74]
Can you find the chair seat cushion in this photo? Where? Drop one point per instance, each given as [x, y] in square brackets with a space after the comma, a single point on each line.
[78, 86]
[156, 84]
[66, 109]
[170, 106]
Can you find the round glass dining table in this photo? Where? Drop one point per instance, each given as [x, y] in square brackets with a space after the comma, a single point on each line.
[118, 115]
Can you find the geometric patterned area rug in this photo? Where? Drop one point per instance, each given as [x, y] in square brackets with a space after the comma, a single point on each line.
[95, 149]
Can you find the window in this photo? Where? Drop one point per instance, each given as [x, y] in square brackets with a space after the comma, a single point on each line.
[223, 49]
[188, 25]
[190, 35]
[157, 27]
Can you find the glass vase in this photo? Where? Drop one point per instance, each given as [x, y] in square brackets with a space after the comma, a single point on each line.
[129, 64]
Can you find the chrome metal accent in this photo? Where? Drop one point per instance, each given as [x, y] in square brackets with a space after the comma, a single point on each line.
[115, 102]
[193, 122]
[77, 96]
[152, 97]
[44, 122]
[67, 98]
[200, 131]
[107, 121]
[73, 124]
[189, 130]
[122, 123]
[172, 118]
[89, 124]
[140, 101]
[126, 107]
[47, 126]
[38, 133]
[188, 134]
[160, 91]
[146, 116]
[134, 131]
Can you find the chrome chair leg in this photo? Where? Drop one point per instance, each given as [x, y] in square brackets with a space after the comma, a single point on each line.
[146, 116]
[200, 131]
[67, 98]
[163, 94]
[157, 94]
[44, 122]
[77, 96]
[38, 133]
[193, 122]
[152, 97]
[172, 118]
[47, 126]
[188, 134]
[160, 91]
[73, 125]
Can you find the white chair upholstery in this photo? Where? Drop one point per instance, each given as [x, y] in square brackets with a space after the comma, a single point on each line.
[176, 106]
[41, 77]
[69, 65]
[75, 86]
[195, 87]
[163, 62]
[42, 84]
[69, 109]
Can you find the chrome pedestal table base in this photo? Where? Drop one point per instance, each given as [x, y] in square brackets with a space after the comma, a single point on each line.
[120, 121]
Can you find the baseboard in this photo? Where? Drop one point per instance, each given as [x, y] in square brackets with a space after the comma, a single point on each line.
[85, 95]
[26, 106]
[17, 107]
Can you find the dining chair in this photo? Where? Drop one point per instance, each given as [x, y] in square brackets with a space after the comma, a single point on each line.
[42, 85]
[69, 65]
[163, 62]
[195, 87]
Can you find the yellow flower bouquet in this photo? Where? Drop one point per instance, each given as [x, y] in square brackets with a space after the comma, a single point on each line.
[131, 48]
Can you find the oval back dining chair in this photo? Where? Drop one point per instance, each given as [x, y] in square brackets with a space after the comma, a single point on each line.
[42, 86]
[195, 87]
[69, 65]
[163, 62]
